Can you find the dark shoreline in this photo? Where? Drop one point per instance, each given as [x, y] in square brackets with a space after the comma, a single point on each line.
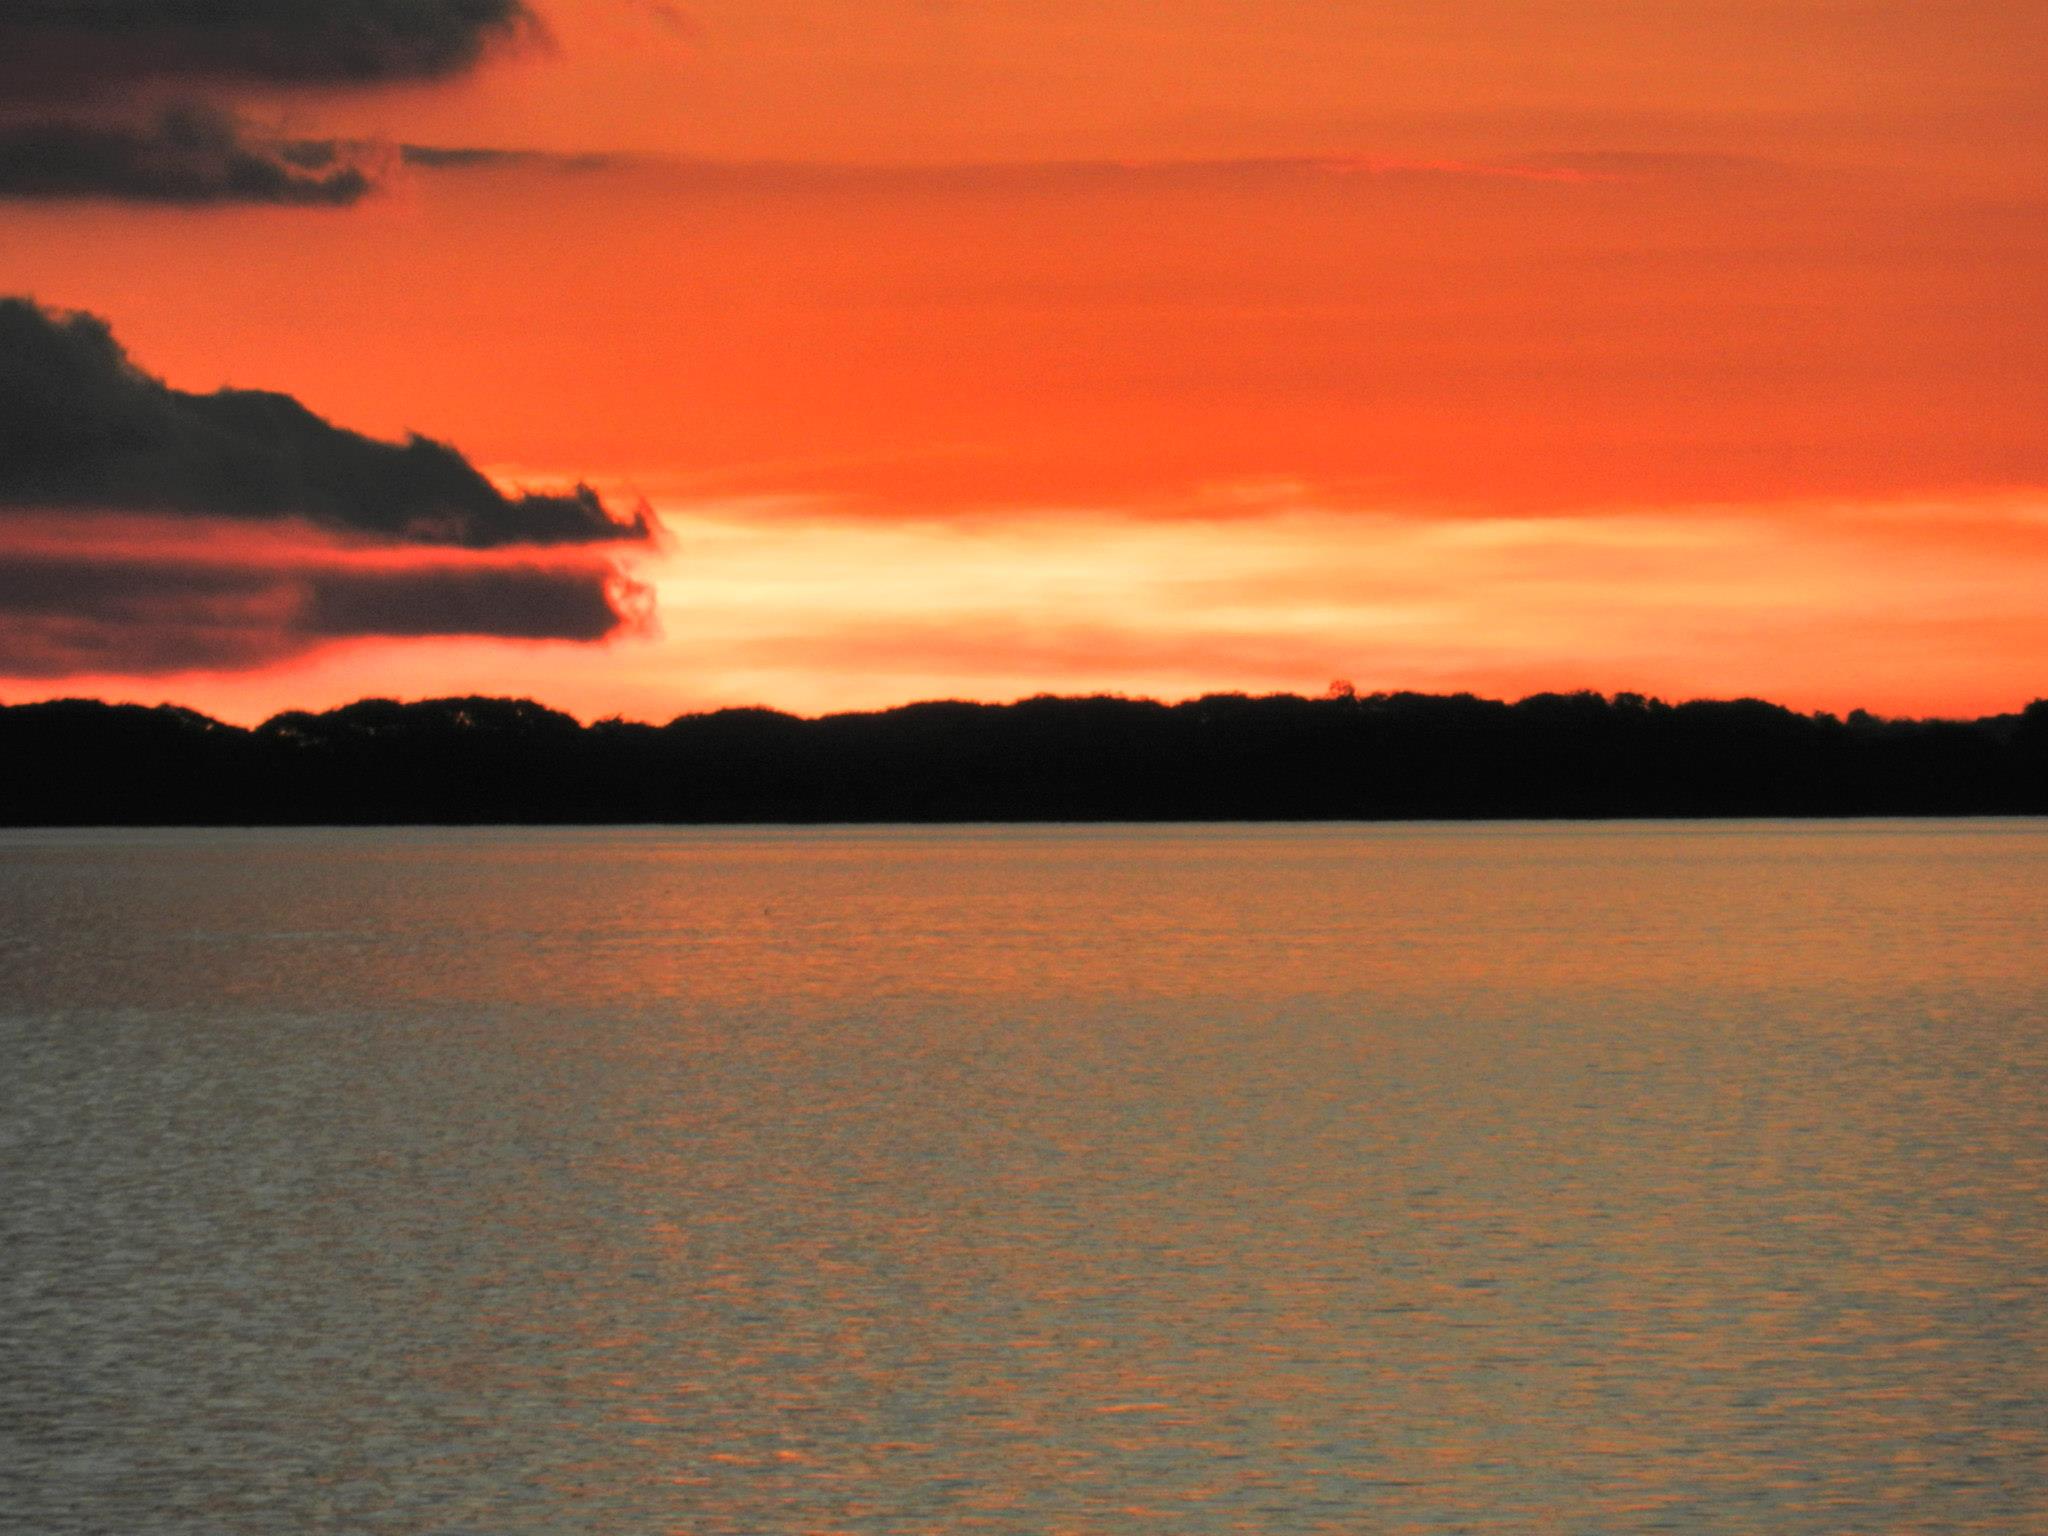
[1223, 758]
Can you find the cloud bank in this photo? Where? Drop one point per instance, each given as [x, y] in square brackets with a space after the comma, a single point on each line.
[82, 426]
[147, 530]
[61, 47]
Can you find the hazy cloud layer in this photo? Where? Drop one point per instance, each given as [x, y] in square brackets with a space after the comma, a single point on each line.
[55, 47]
[184, 154]
[82, 426]
[64, 614]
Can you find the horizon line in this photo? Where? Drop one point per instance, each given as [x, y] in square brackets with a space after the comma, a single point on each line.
[1337, 693]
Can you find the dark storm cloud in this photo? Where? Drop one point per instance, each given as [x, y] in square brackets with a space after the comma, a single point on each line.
[66, 614]
[52, 47]
[83, 427]
[183, 155]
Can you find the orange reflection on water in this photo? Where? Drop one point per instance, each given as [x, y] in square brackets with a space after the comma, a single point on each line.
[1104, 1180]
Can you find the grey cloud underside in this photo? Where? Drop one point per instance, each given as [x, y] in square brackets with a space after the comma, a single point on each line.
[62, 615]
[188, 155]
[82, 427]
[56, 46]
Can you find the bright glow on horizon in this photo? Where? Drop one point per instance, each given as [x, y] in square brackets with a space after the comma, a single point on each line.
[797, 608]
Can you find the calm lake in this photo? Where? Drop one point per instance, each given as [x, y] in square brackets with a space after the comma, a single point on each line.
[739, 1182]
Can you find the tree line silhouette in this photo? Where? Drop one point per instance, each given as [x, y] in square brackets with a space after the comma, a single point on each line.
[1222, 757]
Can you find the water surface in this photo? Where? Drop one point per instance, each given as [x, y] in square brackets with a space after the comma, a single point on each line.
[1550, 1178]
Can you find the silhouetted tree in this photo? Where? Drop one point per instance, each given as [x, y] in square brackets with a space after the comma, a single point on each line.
[1223, 756]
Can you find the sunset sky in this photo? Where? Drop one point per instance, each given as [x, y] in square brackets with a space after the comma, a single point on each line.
[926, 348]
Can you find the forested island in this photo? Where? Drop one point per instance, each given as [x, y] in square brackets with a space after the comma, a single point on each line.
[1394, 756]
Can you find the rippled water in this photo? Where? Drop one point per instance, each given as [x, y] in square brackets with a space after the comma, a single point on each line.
[1521, 1179]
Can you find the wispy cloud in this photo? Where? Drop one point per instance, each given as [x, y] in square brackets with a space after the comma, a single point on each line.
[186, 155]
[62, 614]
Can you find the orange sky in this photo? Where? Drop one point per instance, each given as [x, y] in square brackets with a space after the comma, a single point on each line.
[980, 350]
